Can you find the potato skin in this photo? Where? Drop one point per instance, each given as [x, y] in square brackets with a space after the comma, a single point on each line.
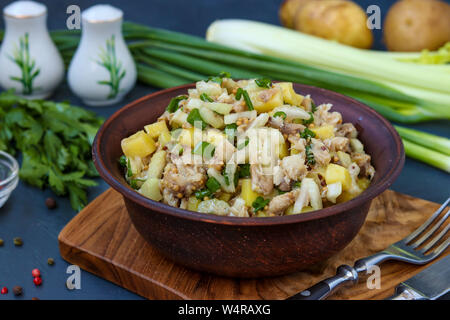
[340, 20]
[288, 11]
[414, 25]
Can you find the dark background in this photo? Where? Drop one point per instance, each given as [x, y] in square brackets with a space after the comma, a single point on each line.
[25, 214]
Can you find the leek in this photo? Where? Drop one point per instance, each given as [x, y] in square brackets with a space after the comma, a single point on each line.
[295, 46]
[428, 156]
[426, 147]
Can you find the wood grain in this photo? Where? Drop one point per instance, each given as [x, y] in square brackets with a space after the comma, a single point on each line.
[102, 240]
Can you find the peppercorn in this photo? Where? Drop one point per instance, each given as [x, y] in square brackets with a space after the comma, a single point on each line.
[36, 273]
[50, 261]
[50, 203]
[1, 242]
[4, 290]
[17, 290]
[34, 298]
[18, 242]
[37, 281]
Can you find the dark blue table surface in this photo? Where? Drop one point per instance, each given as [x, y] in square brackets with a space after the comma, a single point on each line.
[25, 214]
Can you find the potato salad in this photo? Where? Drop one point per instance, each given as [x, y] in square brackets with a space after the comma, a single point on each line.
[247, 148]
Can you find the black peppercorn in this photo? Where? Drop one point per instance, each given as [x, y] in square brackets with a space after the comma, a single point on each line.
[17, 291]
[50, 203]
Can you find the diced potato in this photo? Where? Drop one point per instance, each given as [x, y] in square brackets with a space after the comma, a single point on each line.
[151, 189]
[214, 137]
[336, 173]
[247, 192]
[179, 117]
[289, 95]
[356, 145]
[293, 113]
[211, 118]
[324, 132]
[186, 137]
[233, 117]
[155, 129]
[262, 104]
[212, 89]
[222, 108]
[214, 206]
[344, 158]
[139, 144]
[283, 151]
[164, 138]
[334, 191]
[193, 203]
[157, 164]
[225, 197]
[363, 183]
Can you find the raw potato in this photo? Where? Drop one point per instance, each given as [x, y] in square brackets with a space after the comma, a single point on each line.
[414, 25]
[289, 9]
[340, 20]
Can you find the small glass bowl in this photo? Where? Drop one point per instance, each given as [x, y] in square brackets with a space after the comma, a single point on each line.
[9, 176]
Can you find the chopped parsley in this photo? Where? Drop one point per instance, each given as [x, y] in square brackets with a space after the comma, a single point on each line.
[260, 203]
[310, 160]
[310, 120]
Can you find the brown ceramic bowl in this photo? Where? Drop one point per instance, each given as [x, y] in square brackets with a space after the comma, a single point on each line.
[249, 247]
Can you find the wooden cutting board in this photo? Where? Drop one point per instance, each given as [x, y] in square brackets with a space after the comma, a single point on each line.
[102, 240]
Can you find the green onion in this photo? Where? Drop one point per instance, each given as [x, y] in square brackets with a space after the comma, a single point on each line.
[204, 97]
[129, 170]
[230, 132]
[431, 157]
[174, 103]
[243, 93]
[280, 114]
[201, 194]
[427, 140]
[195, 119]
[263, 83]
[204, 149]
[301, 48]
[242, 145]
[213, 185]
[244, 170]
[123, 161]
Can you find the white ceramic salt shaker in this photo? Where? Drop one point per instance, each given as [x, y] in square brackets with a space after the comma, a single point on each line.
[102, 71]
[29, 61]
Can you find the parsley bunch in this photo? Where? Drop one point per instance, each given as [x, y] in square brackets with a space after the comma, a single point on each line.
[55, 141]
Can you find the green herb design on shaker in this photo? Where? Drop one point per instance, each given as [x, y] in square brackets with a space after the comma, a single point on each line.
[21, 57]
[109, 61]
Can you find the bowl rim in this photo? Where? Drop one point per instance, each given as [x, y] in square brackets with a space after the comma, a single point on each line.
[367, 195]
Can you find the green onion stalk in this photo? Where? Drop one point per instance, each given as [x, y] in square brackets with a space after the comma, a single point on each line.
[166, 59]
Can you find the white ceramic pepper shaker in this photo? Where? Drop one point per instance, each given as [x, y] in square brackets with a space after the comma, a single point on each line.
[29, 61]
[102, 70]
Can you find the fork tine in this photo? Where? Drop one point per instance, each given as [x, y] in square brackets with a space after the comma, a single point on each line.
[427, 223]
[444, 245]
[431, 231]
[435, 240]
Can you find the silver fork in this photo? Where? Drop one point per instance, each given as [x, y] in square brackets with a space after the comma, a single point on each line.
[404, 250]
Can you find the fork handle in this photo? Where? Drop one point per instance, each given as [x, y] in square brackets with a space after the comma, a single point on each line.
[344, 275]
